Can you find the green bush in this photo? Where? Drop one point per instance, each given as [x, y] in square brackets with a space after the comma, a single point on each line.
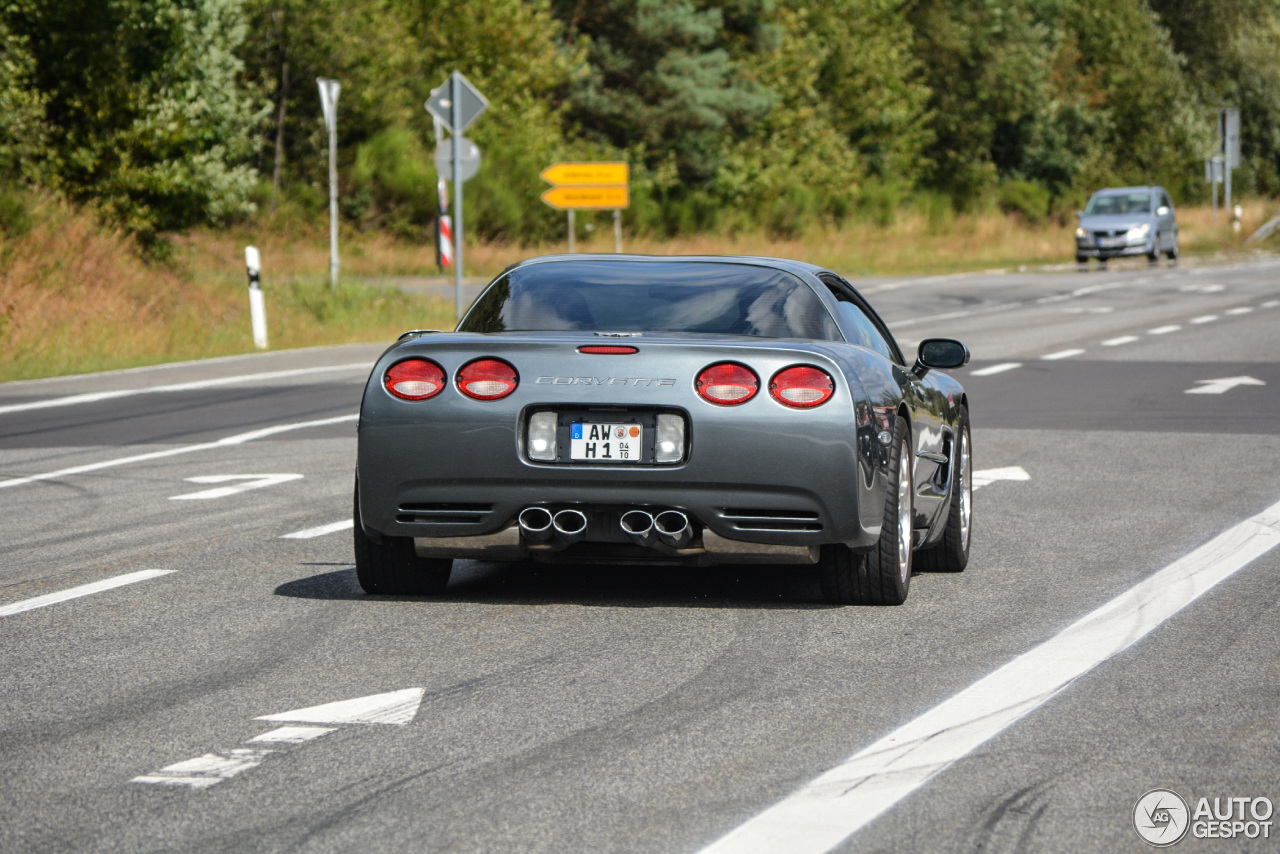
[1026, 199]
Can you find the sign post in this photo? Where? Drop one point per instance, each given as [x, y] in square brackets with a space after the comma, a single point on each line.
[257, 310]
[456, 104]
[1229, 129]
[589, 186]
[329, 102]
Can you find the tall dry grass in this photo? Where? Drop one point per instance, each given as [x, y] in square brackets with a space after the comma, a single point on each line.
[75, 298]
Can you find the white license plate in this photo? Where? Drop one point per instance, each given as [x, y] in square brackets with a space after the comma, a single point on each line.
[591, 442]
[1110, 242]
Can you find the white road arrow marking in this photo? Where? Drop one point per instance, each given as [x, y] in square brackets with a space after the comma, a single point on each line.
[250, 481]
[1223, 385]
[208, 770]
[986, 476]
[394, 707]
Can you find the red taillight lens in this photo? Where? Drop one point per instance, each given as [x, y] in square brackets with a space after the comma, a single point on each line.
[801, 387]
[607, 349]
[727, 384]
[414, 379]
[487, 379]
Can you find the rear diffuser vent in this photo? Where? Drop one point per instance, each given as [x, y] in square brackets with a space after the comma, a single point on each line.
[771, 520]
[443, 514]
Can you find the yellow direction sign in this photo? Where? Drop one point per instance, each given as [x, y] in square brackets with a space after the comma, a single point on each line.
[578, 198]
[578, 174]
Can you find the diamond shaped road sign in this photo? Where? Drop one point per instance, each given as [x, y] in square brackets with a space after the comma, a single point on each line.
[470, 103]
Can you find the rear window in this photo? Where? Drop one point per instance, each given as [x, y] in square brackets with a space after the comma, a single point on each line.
[1119, 203]
[621, 296]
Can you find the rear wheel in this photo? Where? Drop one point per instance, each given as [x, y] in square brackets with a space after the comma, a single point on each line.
[882, 575]
[392, 567]
[952, 553]
[1082, 259]
[1154, 255]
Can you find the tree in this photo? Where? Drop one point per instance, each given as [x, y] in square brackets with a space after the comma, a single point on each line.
[147, 101]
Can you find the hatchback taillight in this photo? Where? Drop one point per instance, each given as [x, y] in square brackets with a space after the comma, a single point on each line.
[801, 387]
[487, 379]
[414, 379]
[727, 384]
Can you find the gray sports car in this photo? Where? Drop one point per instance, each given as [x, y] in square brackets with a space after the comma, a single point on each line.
[623, 409]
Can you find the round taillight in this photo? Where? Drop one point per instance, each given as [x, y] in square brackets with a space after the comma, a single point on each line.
[414, 379]
[487, 379]
[801, 387]
[727, 384]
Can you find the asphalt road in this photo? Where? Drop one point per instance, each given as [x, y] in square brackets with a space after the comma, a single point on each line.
[611, 709]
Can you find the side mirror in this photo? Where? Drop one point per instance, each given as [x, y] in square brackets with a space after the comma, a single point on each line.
[941, 353]
[1079, 214]
[1162, 211]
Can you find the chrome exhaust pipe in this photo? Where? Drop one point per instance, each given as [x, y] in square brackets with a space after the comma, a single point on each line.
[570, 525]
[535, 524]
[673, 528]
[638, 526]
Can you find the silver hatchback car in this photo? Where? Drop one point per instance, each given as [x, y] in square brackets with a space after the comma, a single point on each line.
[1127, 221]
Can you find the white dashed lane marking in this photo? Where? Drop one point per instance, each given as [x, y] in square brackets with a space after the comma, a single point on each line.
[1123, 339]
[320, 530]
[1244, 309]
[82, 590]
[1062, 354]
[992, 370]
[1204, 318]
[1164, 330]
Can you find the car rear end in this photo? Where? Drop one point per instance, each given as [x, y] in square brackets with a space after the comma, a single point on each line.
[626, 447]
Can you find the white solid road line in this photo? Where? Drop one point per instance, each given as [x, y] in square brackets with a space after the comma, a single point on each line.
[83, 590]
[1164, 330]
[995, 369]
[94, 397]
[238, 439]
[1123, 339]
[1062, 354]
[1204, 318]
[837, 804]
[320, 531]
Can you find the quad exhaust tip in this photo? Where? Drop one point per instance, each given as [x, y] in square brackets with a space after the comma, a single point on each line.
[536, 524]
[638, 526]
[570, 525]
[673, 528]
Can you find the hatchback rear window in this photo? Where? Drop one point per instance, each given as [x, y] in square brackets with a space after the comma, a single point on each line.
[639, 296]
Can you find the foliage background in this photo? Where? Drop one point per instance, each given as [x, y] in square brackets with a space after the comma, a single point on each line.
[735, 115]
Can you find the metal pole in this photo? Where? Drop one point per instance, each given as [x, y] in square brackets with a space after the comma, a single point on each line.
[572, 229]
[1214, 181]
[455, 95]
[617, 231]
[333, 197]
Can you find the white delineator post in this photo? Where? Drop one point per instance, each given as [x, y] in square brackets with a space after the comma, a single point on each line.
[329, 101]
[257, 309]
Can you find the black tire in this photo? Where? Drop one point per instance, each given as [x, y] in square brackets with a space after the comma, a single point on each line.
[1082, 259]
[951, 554]
[392, 567]
[1172, 254]
[1154, 255]
[881, 576]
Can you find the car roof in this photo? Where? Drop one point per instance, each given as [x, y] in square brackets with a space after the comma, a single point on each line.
[753, 260]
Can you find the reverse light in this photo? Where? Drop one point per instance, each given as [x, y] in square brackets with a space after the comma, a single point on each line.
[414, 379]
[727, 384]
[542, 436]
[801, 387]
[487, 379]
[669, 443]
